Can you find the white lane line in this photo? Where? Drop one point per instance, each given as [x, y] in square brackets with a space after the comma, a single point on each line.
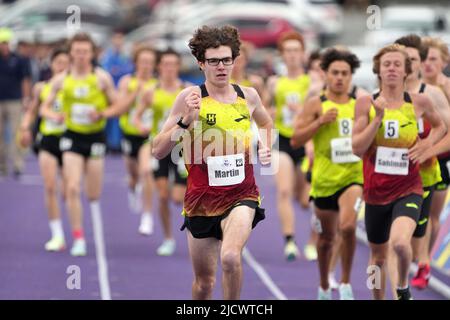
[263, 275]
[102, 264]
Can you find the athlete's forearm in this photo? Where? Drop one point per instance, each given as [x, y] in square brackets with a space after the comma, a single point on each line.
[303, 135]
[361, 141]
[442, 146]
[164, 142]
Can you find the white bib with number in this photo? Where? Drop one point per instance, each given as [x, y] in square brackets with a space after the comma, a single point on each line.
[146, 118]
[226, 170]
[52, 125]
[393, 161]
[345, 127]
[288, 116]
[341, 151]
[81, 113]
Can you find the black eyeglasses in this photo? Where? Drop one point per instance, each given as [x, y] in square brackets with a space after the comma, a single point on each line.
[227, 61]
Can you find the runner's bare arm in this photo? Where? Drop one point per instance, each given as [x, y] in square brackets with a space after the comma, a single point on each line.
[107, 85]
[441, 103]
[364, 132]
[145, 102]
[33, 107]
[269, 102]
[306, 122]
[124, 100]
[186, 105]
[260, 115]
[46, 107]
[425, 107]
[25, 135]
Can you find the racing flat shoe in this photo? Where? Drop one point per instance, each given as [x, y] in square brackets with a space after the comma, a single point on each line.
[324, 294]
[310, 252]
[167, 248]
[404, 294]
[290, 250]
[55, 244]
[421, 278]
[146, 225]
[78, 248]
[345, 291]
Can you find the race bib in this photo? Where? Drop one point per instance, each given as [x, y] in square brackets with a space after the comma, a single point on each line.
[80, 113]
[65, 143]
[341, 151]
[226, 170]
[98, 149]
[81, 91]
[345, 127]
[391, 129]
[288, 116]
[393, 161]
[146, 118]
[51, 125]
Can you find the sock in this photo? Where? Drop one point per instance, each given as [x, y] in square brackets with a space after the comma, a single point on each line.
[289, 238]
[147, 213]
[78, 234]
[403, 289]
[56, 228]
[131, 194]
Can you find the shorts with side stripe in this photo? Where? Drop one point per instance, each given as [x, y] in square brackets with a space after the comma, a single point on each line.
[379, 218]
[424, 212]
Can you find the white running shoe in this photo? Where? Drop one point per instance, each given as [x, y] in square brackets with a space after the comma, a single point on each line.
[324, 294]
[334, 285]
[291, 251]
[167, 248]
[146, 225]
[345, 291]
[78, 248]
[310, 252]
[55, 244]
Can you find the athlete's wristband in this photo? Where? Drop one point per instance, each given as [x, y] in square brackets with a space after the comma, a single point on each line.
[181, 124]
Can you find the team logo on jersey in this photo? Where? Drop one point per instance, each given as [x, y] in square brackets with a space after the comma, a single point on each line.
[211, 119]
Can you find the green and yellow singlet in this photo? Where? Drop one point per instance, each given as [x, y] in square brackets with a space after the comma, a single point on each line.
[126, 120]
[48, 126]
[289, 91]
[80, 98]
[335, 165]
[162, 104]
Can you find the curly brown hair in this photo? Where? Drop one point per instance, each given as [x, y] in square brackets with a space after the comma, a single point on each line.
[332, 54]
[213, 37]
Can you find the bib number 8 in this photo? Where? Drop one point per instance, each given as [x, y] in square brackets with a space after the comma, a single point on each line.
[345, 127]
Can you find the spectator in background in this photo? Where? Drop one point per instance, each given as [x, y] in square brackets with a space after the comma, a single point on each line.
[114, 60]
[15, 92]
[117, 64]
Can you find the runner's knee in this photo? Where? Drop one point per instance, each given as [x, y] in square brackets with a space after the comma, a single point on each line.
[231, 260]
[204, 284]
